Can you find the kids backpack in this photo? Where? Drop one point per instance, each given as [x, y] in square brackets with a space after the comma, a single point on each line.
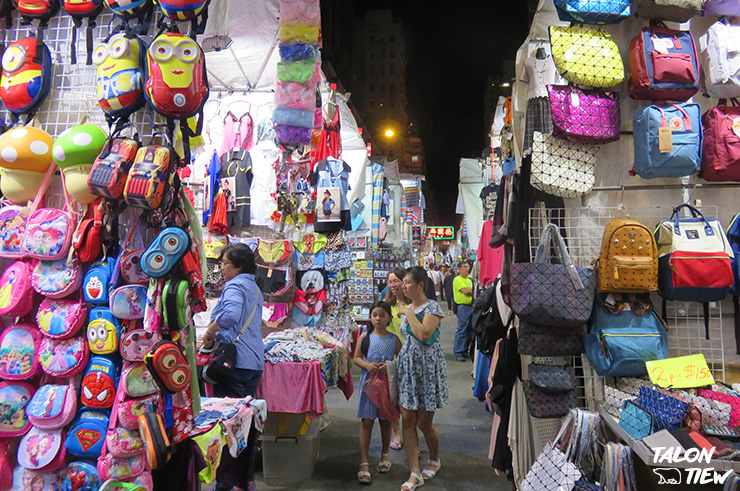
[15, 396]
[41, 10]
[61, 318]
[135, 344]
[78, 476]
[128, 302]
[158, 447]
[53, 406]
[26, 76]
[103, 331]
[163, 254]
[19, 352]
[98, 389]
[176, 305]
[150, 176]
[16, 294]
[166, 362]
[121, 72]
[78, 10]
[110, 171]
[96, 285]
[139, 10]
[196, 11]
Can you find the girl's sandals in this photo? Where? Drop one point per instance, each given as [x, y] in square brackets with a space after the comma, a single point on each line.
[430, 473]
[384, 465]
[396, 445]
[364, 477]
[411, 486]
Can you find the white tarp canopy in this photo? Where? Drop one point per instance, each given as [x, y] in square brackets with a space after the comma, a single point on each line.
[468, 199]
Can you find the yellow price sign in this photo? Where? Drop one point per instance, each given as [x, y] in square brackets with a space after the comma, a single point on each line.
[683, 372]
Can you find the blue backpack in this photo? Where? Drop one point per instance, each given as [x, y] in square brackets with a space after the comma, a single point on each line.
[624, 336]
[593, 11]
[684, 122]
[86, 435]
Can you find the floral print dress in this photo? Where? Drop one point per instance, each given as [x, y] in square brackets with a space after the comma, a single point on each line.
[422, 369]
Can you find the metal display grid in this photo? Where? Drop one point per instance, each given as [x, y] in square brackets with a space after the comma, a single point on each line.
[582, 228]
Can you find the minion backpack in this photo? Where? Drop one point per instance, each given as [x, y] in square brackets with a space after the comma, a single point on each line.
[26, 76]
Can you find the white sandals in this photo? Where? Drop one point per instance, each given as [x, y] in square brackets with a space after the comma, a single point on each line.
[428, 474]
[364, 477]
[411, 486]
[384, 465]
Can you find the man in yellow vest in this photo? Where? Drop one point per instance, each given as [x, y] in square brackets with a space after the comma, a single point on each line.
[462, 287]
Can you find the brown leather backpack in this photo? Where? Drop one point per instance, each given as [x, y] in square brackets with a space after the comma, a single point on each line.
[629, 258]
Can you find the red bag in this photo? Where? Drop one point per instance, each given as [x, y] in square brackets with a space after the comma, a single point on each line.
[377, 390]
[87, 240]
[721, 148]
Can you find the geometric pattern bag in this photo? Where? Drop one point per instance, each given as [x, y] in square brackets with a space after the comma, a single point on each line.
[713, 412]
[732, 401]
[668, 412]
[586, 56]
[537, 341]
[552, 294]
[584, 116]
[544, 405]
[593, 11]
[636, 420]
[552, 469]
[614, 400]
[561, 167]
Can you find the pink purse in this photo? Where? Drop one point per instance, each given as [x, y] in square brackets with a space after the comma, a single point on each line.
[112, 467]
[64, 357]
[49, 231]
[42, 450]
[19, 352]
[16, 295]
[135, 344]
[720, 159]
[56, 279]
[584, 116]
[129, 410]
[61, 319]
[131, 270]
[53, 406]
[122, 442]
[12, 229]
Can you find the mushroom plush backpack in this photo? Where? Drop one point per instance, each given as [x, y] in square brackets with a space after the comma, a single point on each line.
[628, 262]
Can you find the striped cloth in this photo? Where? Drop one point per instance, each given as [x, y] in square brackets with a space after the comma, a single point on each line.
[391, 170]
[412, 195]
[377, 200]
[403, 214]
[413, 215]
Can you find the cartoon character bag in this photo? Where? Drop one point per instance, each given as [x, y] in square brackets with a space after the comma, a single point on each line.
[61, 318]
[110, 170]
[121, 71]
[42, 450]
[131, 258]
[166, 362]
[16, 396]
[103, 331]
[130, 409]
[149, 177]
[177, 313]
[63, 357]
[16, 295]
[12, 229]
[128, 302]
[135, 344]
[99, 383]
[42, 10]
[19, 352]
[123, 442]
[53, 406]
[49, 231]
[86, 436]
[137, 381]
[78, 476]
[166, 250]
[26, 75]
[112, 467]
[97, 283]
[78, 10]
[23, 477]
[158, 446]
[56, 279]
[129, 9]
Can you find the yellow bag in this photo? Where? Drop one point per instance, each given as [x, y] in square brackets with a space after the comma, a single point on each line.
[299, 32]
[586, 56]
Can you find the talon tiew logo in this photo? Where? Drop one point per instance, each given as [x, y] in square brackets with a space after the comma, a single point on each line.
[694, 475]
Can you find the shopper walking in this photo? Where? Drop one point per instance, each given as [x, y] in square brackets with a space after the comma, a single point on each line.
[374, 348]
[240, 302]
[463, 293]
[422, 375]
[394, 297]
[449, 291]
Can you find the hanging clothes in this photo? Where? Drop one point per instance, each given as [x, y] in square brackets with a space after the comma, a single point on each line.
[213, 180]
[332, 173]
[330, 141]
[377, 202]
[490, 259]
[238, 132]
[236, 168]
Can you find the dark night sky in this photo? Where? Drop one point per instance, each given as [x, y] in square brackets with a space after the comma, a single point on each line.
[452, 47]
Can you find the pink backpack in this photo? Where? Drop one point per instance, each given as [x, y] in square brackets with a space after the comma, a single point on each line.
[16, 295]
[122, 441]
[12, 229]
[53, 406]
[64, 357]
[137, 381]
[42, 450]
[135, 344]
[49, 231]
[19, 352]
[721, 148]
[61, 319]
[15, 396]
[56, 279]
[125, 468]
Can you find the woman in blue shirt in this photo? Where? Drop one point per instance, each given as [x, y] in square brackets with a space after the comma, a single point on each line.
[241, 301]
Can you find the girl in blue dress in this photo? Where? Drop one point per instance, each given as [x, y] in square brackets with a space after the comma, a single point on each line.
[374, 348]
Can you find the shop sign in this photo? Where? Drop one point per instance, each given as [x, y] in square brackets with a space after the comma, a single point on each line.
[440, 233]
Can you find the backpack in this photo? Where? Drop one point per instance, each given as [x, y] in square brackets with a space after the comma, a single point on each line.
[488, 326]
[628, 261]
[127, 302]
[720, 160]
[150, 176]
[681, 155]
[78, 10]
[139, 10]
[42, 450]
[97, 285]
[53, 406]
[15, 396]
[164, 252]
[56, 279]
[88, 238]
[673, 10]
[41, 10]
[103, 331]
[19, 352]
[196, 11]
[168, 366]
[63, 357]
[121, 72]
[98, 388]
[16, 294]
[128, 468]
[664, 64]
[721, 74]
[26, 76]
[176, 306]
[694, 260]
[78, 476]
[110, 170]
[61, 318]
[74, 152]
[158, 446]
[137, 381]
[135, 344]
[624, 336]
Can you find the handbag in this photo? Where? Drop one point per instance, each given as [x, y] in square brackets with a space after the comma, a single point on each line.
[584, 116]
[733, 401]
[552, 469]
[720, 160]
[636, 420]
[392, 371]
[673, 10]
[668, 412]
[713, 412]
[131, 258]
[561, 167]
[537, 340]
[224, 363]
[545, 405]
[632, 385]
[87, 241]
[49, 231]
[614, 400]
[593, 11]
[552, 379]
[586, 56]
[428, 342]
[552, 294]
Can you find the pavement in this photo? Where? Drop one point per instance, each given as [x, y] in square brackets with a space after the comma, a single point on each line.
[464, 428]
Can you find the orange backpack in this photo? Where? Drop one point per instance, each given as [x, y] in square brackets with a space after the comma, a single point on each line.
[628, 262]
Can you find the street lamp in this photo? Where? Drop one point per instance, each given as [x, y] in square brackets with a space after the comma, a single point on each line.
[389, 133]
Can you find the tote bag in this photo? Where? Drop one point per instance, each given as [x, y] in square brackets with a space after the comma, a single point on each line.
[562, 168]
[584, 116]
[586, 56]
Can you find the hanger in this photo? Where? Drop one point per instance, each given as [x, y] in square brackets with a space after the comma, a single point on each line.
[234, 102]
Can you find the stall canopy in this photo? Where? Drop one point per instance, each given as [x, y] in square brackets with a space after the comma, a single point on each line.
[468, 199]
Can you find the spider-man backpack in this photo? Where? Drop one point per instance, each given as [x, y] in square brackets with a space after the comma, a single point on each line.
[78, 10]
[26, 76]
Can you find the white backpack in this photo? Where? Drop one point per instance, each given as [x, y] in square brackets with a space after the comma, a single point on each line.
[720, 59]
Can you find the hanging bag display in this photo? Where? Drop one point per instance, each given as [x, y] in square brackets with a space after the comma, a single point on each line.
[86, 434]
[552, 469]
[668, 140]
[16, 396]
[586, 56]
[12, 229]
[26, 75]
[98, 387]
[552, 379]
[135, 344]
[127, 302]
[16, 294]
[19, 352]
[720, 159]
[636, 420]
[537, 340]
[150, 176]
[121, 71]
[593, 11]
[176, 308]
[137, 380]
[78, 10]
[42, 450]
[110, 170]
[668, 411]
[552, 294]
[103, 331]
[96, 285]
[56, 279]
[719, 58]
[164, 252]
[673, 10]
[158, 446]
[131, 271]
[63, 357]
[562, 168]
[168, 366]
[53, 406]
[584, 116]
[61, 318]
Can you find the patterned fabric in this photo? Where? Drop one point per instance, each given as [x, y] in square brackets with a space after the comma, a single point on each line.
[586, 56]
[381, 349]
[422, 370]
[336, 260]
[377, 200]
[551, 470]
[562, 168]
[391, 170]
[544, 405]
[539, 118]
[614, 400]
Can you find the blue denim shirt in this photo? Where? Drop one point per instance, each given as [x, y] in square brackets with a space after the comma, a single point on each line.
[232, 311]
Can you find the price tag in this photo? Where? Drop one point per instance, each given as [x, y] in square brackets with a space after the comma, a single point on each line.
[575, 101]
[665, 140]
[683, 372]
[736, 126]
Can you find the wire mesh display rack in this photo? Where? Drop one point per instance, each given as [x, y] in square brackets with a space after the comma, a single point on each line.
[582, 228]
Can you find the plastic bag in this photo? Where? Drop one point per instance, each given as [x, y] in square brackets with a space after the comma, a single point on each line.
[377, 390]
